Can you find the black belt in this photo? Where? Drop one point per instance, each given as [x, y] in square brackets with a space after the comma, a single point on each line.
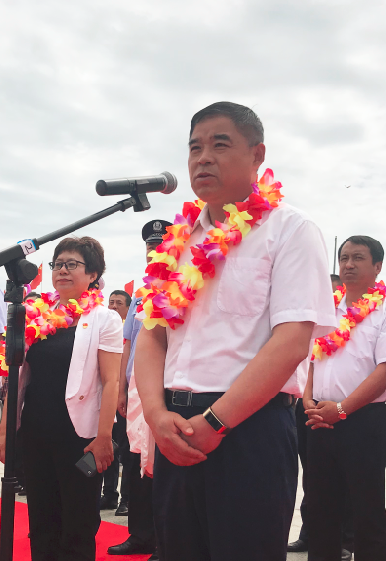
[191, 399]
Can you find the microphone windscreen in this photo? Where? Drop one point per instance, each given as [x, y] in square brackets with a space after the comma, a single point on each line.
[171, 183]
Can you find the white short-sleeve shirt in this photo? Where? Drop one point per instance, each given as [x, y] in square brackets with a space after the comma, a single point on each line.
[337, 376]
[277, 274]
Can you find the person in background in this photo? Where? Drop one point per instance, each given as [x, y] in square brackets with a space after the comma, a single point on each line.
[140, 520]
[120, 302]
[69, 388]
[301, 544]
[345, 403]
[32, 296]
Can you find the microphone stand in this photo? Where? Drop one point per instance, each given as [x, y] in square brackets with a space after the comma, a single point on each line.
[20, 272]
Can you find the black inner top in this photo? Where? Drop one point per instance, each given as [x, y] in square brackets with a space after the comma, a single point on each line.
[45, 411]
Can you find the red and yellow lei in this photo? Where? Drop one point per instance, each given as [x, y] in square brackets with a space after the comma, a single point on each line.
[354, 315]
[44, 318]
[168, 291]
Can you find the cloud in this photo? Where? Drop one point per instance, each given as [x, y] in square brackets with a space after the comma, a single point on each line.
[95, 90]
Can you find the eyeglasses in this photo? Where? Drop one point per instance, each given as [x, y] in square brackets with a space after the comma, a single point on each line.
[70, 265]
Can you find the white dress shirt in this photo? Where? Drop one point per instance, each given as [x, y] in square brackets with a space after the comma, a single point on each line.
[337, 376]
[3, 312]
[277, 274]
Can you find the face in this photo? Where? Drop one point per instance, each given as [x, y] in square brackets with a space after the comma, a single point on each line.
[71, 284]
[150, 246]
[117, 302]
[222, 165]
[356, 265]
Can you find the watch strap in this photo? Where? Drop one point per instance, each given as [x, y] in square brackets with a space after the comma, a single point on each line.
[215, 422]
[342, 415]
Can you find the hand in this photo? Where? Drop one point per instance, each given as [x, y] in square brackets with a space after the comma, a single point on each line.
[2, 447]
[102, 448]
[122, 404]
[308, 404]
[204, 438]
[324, 415]
[168, 429]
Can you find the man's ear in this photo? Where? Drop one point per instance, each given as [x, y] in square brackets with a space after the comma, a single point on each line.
[378, 267]
[259, 154]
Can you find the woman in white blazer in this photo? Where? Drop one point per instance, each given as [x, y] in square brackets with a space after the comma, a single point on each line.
[67, 398]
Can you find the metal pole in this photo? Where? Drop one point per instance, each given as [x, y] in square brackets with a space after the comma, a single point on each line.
[336, 239]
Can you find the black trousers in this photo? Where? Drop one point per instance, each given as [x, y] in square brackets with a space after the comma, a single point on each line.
[347, 522]
[238, 504]
[122, 454]
[140, 520]
[63, 504]
[352, 455]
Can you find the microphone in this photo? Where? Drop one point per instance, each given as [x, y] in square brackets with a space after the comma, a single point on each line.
[165, 183]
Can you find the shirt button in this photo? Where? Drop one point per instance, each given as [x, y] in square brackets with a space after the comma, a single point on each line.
[188, 339]
[179, 375]
[81, 397]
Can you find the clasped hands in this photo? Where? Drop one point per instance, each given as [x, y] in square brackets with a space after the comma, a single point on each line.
[183, 442]
[323, 415]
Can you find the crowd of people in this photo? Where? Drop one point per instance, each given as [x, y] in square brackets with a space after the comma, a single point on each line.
[233, 358]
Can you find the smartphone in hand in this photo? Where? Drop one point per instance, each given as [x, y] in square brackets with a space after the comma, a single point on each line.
[87, 464]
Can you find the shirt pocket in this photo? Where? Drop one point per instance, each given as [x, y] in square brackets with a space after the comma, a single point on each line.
[362, 342]
[244, 285]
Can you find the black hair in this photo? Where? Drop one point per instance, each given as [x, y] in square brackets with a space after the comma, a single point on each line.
[91, 251]
[244, 119]
[374, 246]
[34, 295]
[122, 293]
[335, 278]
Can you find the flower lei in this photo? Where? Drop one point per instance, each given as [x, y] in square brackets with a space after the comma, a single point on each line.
[42, 320]
[354, 315]
[168, 291]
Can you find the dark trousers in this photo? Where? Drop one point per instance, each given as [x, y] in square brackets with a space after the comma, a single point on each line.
[63, 504]
[140, 520]
[352, 455]
[238, 504]
[122, 454]
[347, 523]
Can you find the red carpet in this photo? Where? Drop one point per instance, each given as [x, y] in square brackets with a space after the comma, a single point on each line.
[109, 534]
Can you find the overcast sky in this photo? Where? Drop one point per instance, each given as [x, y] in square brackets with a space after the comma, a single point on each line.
[97, 89]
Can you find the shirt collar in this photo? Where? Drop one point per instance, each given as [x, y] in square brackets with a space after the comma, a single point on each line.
[204, 219]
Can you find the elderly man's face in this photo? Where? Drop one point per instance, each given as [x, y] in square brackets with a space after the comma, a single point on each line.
[222, 165]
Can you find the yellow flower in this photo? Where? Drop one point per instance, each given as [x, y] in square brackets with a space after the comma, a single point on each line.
[163, 258]
[238, 219]
[317, 352]
[376, 297]
[192, 275]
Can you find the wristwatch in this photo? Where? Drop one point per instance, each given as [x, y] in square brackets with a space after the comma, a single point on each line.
[215, 422]
[342, 415]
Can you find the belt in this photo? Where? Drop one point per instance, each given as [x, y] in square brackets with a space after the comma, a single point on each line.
[190, 399]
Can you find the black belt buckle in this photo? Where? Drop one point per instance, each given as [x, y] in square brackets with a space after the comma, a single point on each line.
[182, 398]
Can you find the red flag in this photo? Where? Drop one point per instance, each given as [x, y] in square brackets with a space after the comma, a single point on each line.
[38, 279]
[129, 288]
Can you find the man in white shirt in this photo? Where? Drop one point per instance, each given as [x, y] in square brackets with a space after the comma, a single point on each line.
[219, 497]
[349, 388]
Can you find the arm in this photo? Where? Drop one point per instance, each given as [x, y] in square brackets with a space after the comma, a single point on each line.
[3, 430]
[166, 426]
[308, 402]
[259, 382]
[371, 388]
[122, 394]
[101, 446]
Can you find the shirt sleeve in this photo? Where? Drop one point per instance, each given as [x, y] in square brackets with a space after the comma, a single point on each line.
[300, 283]
[380, 346]
[110, 335]
[129, 321]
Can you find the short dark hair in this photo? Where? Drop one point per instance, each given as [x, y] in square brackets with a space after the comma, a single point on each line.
[335, 278]
[374, 246]
[32, 295]
[244, 119]
[91, 251]
[122, 293]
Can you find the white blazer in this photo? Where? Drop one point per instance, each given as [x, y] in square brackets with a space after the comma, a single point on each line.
[100, 329]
